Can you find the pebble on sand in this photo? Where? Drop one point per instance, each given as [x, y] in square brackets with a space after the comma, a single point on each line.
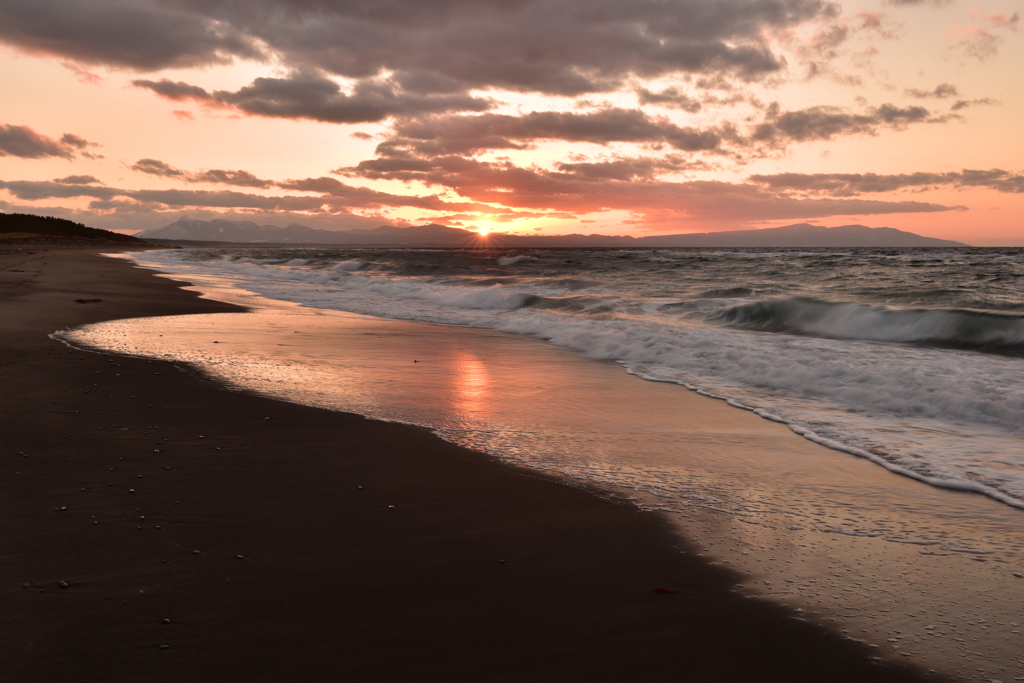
[240, 557]
[26, 585]
[165, 621]
[63, 584]
[164, 647]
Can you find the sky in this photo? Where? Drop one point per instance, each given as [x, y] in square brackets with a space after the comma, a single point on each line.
[622, 117]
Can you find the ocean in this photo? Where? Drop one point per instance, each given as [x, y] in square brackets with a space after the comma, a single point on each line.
[901, 369]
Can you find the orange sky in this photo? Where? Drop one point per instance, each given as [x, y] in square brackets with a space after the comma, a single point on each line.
[546, 116]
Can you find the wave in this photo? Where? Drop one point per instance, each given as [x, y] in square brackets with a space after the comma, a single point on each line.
[942, 327]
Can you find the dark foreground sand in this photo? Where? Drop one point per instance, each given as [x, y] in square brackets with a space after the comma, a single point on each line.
[479, 572]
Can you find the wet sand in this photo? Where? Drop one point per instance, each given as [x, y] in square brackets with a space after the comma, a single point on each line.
[370, 550]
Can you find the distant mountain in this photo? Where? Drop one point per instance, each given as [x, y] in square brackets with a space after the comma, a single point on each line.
[798, 235]
[801, 235]
[24, 226]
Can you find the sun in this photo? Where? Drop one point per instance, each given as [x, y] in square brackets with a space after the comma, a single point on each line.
[483, 232]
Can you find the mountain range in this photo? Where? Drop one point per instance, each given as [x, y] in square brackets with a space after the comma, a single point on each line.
[797, 235]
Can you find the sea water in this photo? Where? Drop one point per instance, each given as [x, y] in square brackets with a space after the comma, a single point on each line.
[908, 360]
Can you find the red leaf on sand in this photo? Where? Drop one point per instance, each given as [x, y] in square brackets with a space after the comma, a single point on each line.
[665, 590]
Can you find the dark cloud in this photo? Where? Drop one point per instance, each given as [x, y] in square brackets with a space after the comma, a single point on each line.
[331, 195]
[940, 91]
[850, 184]
[226, 199]
[158, 168]
[431, 47]
[238, 178]
[669, 97]
[963, 104]
[144, 36]
[307, 95]
[827, 122]
[174, 90]
[45, 189]
[78, 180]
[22, 141]
[464, 134]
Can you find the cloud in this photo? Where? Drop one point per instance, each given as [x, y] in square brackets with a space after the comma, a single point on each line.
[978, 41]
[669, 97]
[22, 141]
[238, 178]
[158, 168]
[78, 180]
[430, 48]
[144, 36]
[81, 74]
[974, 42]
[432, 135]
[44, 189]
[308, 95]
[175, 90]
[963, 104]
[828, 122]
[850, 184]
[940, 91]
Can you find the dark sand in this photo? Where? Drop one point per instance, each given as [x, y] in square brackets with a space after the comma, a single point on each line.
[480, 572]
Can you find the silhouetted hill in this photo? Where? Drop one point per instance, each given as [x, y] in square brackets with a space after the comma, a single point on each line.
[27, 226]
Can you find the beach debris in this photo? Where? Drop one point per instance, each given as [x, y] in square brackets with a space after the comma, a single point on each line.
[63, 584]
[165, 621]
[81, 489]
[60, 509]
[195, 552]
[26, 585]
[659, 589]
[1018, 575]
[391, 507]
[142, 516]
[164, 647]
[88, 301]
[138, 476]
[266, 418]
[501, 561]
[240, 557]
[156, 450]
[131, 490]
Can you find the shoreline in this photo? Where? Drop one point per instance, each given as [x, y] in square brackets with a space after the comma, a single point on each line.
[331, 580]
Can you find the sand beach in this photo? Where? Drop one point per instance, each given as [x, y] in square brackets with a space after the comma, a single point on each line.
[219, 535]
